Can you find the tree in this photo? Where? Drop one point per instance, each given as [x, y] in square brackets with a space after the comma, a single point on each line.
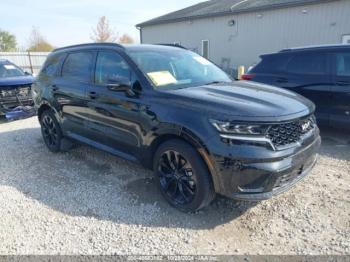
[103, 33]
[7, 41]
[126, 39]
[37, 43]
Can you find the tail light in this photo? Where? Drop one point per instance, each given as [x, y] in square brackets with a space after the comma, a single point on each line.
[248, 76]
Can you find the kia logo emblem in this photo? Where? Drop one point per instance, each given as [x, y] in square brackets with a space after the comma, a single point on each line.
[305, 126]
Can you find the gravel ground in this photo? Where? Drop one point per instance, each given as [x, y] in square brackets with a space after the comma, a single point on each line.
[89, 202]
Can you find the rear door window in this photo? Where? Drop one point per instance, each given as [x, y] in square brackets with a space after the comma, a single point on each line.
[78, 66]
[272, 64]
[310, 64]
[342, 65]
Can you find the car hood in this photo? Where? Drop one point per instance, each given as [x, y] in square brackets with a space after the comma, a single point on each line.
[245, 99]
[9, 82]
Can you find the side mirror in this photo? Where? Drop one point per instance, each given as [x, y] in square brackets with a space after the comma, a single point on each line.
[119, 85]
[27, 73]
[125, 85]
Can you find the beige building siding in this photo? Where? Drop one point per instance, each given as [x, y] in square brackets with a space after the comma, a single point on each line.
[257, 33]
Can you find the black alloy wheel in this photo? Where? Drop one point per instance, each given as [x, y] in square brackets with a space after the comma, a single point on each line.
[184, 179]
[51, 131]
[176, 177]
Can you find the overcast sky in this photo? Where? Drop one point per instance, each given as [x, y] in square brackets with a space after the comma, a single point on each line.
[65, 22]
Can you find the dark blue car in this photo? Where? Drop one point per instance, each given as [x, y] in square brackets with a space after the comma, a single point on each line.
[15, 86]
[321, 74]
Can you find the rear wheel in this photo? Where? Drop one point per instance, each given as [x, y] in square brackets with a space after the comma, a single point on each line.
[51, 131]
[184, 179]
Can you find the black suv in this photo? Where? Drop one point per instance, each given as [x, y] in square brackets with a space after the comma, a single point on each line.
[176, 113]
[321, 74]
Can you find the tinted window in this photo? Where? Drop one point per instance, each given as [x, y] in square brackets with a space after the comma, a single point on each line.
[52, 65]
[314, 64]
[111, 66]
[77, 66]
[343, 64]
[272, 63]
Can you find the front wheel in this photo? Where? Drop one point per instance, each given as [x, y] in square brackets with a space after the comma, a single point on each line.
[51, 131]
[184, 179]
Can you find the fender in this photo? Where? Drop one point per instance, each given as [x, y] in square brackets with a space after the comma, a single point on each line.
[172, 131]
[47, 105]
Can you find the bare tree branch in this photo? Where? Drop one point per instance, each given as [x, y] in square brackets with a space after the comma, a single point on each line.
[103, 33]
[38, 43]
[126, 39]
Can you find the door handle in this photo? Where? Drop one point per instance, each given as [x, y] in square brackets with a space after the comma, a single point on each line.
[282, 80]
[93, 95]
[55, 88]
[343, 83]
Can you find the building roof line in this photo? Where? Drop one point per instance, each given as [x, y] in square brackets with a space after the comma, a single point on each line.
[237, 4]
[174, 17]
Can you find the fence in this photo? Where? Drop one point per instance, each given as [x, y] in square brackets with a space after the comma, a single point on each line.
[28, 61]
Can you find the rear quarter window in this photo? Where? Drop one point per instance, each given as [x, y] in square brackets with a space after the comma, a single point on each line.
[52, 65]
[271, 63]
[78, 66]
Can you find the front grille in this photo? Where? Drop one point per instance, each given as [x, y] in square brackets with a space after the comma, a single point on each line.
[21, 91]
[289, 133]
[12, 97]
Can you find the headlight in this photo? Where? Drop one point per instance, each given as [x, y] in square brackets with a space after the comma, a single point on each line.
[239, 129]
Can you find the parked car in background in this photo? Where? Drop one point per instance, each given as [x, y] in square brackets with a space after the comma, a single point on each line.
[180, 115]
[321, 74]
[15, 86]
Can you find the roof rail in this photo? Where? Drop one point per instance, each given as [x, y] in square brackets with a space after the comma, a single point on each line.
[88, 44]
[301, 48]
[173, 45]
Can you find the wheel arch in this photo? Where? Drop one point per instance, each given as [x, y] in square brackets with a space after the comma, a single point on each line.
[43, 107]
[189, 137]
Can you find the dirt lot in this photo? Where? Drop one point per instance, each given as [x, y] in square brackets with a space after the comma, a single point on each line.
[88, 202]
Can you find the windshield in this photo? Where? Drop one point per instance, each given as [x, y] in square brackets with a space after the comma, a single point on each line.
[10, 70]
[177, 68]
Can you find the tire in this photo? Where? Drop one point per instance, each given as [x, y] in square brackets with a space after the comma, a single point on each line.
[184, 181]
[51, 131]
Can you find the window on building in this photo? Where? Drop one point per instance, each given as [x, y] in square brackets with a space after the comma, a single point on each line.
[346, 39]
[314, 63]
[111, 66]
[78, 66]
[205, 49]
[343, 64]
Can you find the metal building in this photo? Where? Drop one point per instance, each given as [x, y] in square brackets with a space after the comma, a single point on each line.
[237, 32]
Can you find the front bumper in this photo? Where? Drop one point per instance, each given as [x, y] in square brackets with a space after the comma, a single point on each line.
[296, 177]
[254, 173]
[14, 97]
